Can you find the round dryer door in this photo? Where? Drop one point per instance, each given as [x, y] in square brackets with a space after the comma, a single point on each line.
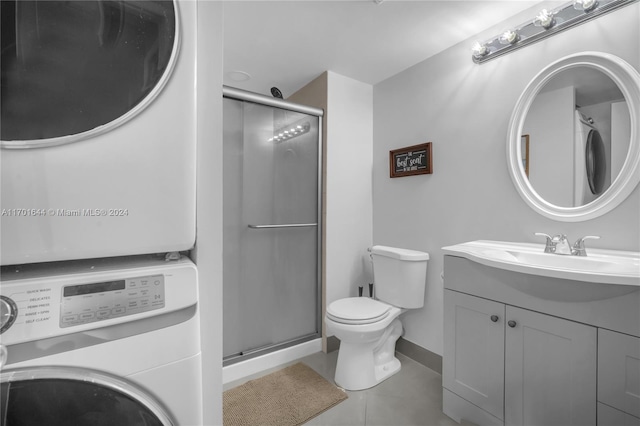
[596, 161]
[57, 396]
[75, 69]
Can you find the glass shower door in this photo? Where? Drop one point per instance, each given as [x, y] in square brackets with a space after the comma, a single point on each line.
[271, 232]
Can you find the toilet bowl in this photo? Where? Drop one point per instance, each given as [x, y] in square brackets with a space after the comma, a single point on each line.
[369, 328]
[368, 336]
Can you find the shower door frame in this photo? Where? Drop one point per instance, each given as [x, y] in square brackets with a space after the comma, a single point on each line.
[256, 98]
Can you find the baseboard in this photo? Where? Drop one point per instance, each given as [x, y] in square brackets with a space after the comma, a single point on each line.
[420, 355]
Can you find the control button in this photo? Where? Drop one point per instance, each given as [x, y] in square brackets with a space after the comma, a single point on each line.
[87, 315]
[118, 311]
[144, 303]
[103, 314]
[132, 294]
[69, 318]
[133, 283]
[8, 313]
[133, 304]
[144, 282]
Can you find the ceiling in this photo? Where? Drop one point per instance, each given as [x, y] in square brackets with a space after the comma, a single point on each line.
[287, 44]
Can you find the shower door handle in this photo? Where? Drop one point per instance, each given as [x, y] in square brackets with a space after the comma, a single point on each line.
[285, 225]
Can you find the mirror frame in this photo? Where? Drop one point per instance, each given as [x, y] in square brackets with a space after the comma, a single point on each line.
[628, 80]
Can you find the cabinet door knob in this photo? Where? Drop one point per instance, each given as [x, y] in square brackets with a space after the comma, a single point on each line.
[494, 318]
[511, 323]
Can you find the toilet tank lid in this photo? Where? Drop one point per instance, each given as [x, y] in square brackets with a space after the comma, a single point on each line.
[399, 253]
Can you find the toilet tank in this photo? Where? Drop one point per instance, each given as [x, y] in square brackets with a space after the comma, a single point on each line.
[399, 275]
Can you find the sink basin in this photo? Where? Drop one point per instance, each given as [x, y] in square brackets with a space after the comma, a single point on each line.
[599, 266]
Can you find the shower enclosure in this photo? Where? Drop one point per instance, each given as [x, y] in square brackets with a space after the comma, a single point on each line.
[272, 233]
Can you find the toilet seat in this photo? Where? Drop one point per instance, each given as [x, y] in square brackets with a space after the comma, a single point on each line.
[357, 310]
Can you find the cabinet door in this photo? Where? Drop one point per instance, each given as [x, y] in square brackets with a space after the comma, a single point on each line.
[550, 370]
[474, 350]
[619, 371]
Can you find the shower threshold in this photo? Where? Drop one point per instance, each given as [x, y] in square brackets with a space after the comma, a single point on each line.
[263, 350]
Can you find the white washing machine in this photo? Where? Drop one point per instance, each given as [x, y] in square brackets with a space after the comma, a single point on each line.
[98, 130]
[108, 342]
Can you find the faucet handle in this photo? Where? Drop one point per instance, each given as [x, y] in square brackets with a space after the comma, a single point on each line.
[579, 248]
[550, 245]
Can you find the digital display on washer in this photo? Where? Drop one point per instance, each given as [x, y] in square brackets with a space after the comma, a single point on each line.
[78, 290]
[86, 303]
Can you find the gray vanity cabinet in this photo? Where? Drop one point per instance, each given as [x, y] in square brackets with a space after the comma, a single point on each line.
[473, 362]
[519, 366]
[618, 379]
[550, 370]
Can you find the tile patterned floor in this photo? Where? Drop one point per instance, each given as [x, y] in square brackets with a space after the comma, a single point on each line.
[411, 397]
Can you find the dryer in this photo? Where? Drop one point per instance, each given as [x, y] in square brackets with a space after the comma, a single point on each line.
[98, 129]
[592, 174]
[107, 342]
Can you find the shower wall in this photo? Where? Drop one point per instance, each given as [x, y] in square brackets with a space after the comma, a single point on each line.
[271, 275]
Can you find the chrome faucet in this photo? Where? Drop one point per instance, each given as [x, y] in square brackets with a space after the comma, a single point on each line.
[559, 244]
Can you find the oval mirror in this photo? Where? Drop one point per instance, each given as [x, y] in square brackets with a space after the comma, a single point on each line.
[72, 70]
[573, 146]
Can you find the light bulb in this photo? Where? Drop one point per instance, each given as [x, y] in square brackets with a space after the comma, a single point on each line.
[544, 19]
[508, 37]
[586, 5]
[479, 50]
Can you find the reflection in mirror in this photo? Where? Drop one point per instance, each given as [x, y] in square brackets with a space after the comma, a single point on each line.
[524, 152]
[579, 131]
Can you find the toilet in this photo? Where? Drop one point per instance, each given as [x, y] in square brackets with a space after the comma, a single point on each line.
[369, 328]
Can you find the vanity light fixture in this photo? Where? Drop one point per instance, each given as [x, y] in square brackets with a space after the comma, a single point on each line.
[290, 132]
[545, 24]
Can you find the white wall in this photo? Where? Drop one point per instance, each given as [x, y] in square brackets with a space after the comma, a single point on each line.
[348, 184]
[549, 123]
[620, 135]
[464, 109]
[208, 252]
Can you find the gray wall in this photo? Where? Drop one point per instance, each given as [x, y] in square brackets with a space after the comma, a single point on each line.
[464, 109]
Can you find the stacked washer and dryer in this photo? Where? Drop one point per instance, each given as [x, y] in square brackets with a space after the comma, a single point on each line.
[99, 309]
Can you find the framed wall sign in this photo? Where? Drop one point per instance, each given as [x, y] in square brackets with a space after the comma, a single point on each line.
[412, 160]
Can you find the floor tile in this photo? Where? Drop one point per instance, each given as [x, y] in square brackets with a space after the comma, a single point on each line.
[411, 397]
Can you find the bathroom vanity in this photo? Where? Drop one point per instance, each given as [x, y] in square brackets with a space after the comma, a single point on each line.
[536, 346]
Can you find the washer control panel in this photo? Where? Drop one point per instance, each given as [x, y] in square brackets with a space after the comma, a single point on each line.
[85, 303]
